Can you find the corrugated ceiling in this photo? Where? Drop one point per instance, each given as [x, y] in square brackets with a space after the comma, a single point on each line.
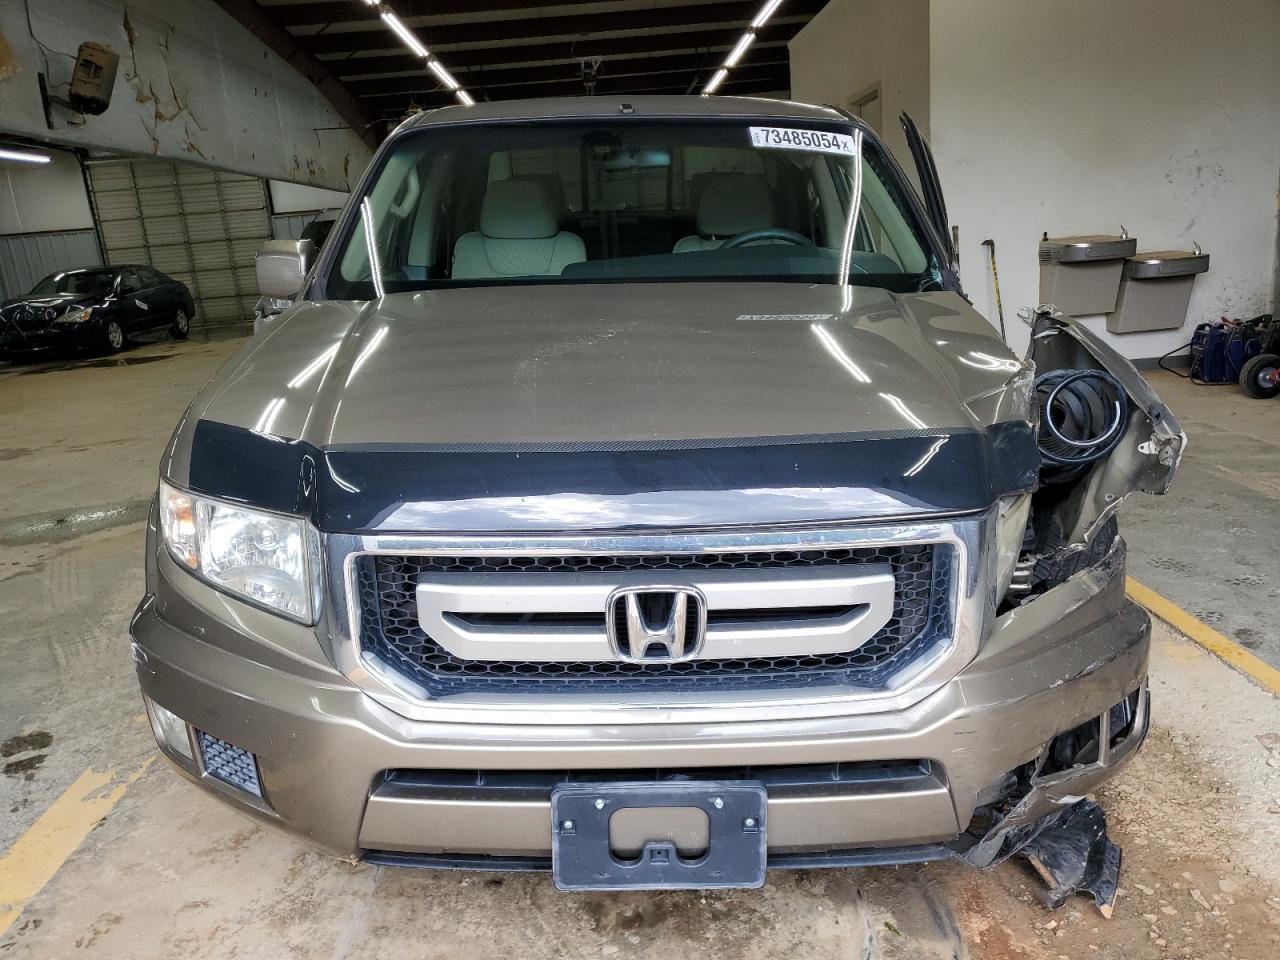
[514, 49]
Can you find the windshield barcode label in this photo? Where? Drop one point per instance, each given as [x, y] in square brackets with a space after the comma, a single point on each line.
[791, 138]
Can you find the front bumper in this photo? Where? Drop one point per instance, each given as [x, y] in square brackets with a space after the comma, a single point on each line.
[53, 337]
[324, 748]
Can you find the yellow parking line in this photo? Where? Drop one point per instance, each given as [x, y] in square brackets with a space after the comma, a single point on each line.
[45, 846]
[1237, 656]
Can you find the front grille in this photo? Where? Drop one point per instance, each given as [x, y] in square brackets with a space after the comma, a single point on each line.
[389, 626]
[781, 779]
[30, 319]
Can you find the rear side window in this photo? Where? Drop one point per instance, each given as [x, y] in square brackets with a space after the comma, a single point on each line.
[129, 281]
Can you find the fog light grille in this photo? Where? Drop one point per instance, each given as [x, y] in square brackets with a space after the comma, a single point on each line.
[229, 763]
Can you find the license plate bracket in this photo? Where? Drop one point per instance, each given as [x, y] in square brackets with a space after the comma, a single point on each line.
[736, 854]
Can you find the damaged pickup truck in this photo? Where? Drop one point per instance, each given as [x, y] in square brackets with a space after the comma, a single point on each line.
[632, 493]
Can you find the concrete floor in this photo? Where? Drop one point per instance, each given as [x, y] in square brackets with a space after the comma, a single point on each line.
[169, 871]
[1210, 544]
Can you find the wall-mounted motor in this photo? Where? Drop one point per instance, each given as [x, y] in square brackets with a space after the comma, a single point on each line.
[94, 78]
[91, 85]
[1082, 417]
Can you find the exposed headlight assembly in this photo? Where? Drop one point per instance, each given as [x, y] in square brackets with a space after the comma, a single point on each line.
[266, 558]
[75, 315]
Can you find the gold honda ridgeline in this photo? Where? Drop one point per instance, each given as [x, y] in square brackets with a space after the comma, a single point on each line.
[630, 492]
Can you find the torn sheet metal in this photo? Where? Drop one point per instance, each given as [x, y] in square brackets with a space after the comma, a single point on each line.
[1052, 822]
[1075, 855]
[1069, 848]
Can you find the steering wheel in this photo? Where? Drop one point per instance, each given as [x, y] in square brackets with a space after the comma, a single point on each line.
[767, 233]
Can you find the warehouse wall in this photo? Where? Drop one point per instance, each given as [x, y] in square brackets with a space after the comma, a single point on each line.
[298, 198]
[39, 198]
[293, 206]
[1074, 118]
[852, 45]
[45, 222]
[193, 85]
[26, 258]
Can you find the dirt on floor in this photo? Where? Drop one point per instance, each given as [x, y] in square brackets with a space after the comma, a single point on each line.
[1197, 814]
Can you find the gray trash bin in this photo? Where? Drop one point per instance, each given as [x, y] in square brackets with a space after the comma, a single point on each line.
[1081, 275]
[1156, 290]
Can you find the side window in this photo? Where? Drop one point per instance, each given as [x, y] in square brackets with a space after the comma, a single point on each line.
[129, 282]
[381, 253]
[152, 278]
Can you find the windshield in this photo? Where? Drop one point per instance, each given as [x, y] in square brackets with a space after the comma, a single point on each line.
[573, 202]
[82, 283]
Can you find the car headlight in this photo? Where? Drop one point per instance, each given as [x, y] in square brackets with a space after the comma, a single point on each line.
[266, 558]
[1011, 525]
[75, 315]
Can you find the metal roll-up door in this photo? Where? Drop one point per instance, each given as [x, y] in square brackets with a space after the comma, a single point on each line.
[198, 225]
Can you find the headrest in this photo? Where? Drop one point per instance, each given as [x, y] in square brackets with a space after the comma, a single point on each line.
[517, 210]
[732, 203]
[554, 186]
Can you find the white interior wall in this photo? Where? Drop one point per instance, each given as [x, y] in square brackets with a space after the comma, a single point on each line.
[44, 198]
[300, 198]
[193, 85]
[1162, 115]
[853, 44]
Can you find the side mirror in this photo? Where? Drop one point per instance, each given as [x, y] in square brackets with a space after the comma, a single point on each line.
[281, 266]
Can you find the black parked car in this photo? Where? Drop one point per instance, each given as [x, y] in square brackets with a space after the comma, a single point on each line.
[97, 308]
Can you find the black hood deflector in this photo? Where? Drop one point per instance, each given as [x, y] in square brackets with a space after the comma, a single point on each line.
[734, 481]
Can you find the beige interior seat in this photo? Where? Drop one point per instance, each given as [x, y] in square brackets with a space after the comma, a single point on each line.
[554, 187]
[731, 203]
[519, 235]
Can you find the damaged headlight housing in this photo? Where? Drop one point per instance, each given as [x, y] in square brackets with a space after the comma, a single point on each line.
[266, 558]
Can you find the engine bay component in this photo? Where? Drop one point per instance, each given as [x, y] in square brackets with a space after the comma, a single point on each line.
[1083, 414]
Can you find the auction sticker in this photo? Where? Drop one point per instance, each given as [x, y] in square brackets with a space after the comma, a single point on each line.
[793, 138]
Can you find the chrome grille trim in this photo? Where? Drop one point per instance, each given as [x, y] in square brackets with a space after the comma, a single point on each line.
[860, 599]
[965, 535]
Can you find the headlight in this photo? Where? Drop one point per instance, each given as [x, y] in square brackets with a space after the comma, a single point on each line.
[1011, 524]
[75, 315]
[266, 558]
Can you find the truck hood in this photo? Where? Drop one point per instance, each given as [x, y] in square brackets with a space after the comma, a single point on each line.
[586, 370]
[584, 364]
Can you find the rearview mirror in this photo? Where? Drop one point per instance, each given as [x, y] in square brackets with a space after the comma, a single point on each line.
[637, 158]
[281, 266]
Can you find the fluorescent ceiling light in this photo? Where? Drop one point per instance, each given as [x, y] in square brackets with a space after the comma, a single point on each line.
[445, 76]
[714, 83]
[411, 41]
[739, 49]
[404, 33]
[767, 11]
[23, 156]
